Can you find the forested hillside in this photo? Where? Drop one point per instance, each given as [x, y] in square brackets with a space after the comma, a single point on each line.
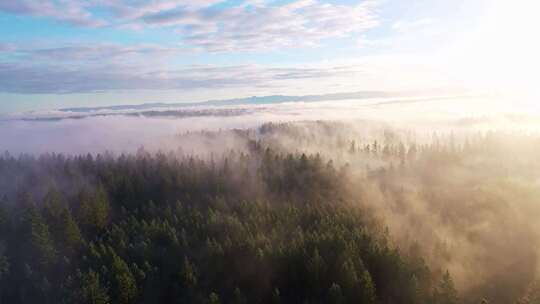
[364, 221]
[247, 228]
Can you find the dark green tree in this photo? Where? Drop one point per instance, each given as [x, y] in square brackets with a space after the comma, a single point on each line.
[188, 274]
[91, 289]
[94, 209]
[445, 292]
[213, 298]
[39, 248]
[335, 295]
[124, 286]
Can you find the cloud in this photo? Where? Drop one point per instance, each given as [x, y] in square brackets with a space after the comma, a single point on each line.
[404, 26]
[207, 25]
[89, 69]
[129, 10]
[364, 42]
[138, 68]
[248, 26]
[123, 133]
[301, 23]
[97, 52]
[75, 12]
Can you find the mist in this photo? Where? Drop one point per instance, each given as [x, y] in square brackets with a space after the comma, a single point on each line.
[457, 189]
[127, 130]
[269, 152]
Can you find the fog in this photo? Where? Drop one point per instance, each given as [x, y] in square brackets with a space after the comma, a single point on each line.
[126, 131]
[458, 185]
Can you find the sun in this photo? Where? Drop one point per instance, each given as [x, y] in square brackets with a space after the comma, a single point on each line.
[502, 52]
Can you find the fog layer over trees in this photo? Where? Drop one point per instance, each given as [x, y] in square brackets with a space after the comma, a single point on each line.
[307, 212]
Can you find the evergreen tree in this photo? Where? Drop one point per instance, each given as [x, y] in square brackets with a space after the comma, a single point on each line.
[188, 274]
[335, 295]
[39, 247]
[367, 288]
[71, 234]
[446, 293]
[125, 289]
[213, 298]
[315, 266]
[239, 297]
[94, 209]
[91, 290]
[4, 266]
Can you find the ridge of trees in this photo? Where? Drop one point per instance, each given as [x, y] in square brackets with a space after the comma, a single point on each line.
[261, 227]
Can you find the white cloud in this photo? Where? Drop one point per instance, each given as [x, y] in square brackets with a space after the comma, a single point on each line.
[114, 68]
[97, 53]
[7, 48]
[104, 68]
[70, 11]
[252, 25]
[409, 26]
[260, 27]
[364, 42]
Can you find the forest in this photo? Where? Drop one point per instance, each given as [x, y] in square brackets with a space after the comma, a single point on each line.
[303, 212]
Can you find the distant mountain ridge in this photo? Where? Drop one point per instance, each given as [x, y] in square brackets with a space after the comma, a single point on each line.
[271, 99]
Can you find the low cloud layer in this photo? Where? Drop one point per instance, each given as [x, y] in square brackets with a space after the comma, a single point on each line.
[110, 75]
[127, 130]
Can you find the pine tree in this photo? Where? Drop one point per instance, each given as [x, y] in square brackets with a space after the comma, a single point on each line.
[315, 265]
[239, 297]
[64, 230]
[367, 288]
[213, 298]
[125, 288]
[188, 274]
[4, 266]
[39, 244]
[71, 234]
[91, 290]
[53, 205]
[446, 293]
[335, 295]
[4, 219]
[276, 296]
[349, 275]
[94, 209]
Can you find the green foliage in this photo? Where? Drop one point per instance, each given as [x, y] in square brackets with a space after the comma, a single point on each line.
[71, 234]
[213, 298]
[94, 210]
[367, 288]
[64, 229]
[238, 297]
[335, 295]
[4, 266]
[263, 227]
[39, 248]
[188, 275]
[90, 290]
[446, 292]
[4, 218]
[124, 286]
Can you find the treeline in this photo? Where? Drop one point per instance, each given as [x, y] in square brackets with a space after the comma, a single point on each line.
[256, 227]
[465, 200]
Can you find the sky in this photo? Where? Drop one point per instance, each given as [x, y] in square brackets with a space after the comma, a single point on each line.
[67, 53]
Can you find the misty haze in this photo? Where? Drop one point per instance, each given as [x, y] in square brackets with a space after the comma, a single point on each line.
[260, 151]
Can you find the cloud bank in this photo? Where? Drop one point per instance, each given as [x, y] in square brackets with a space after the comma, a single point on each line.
[125, 130]
[109, 75]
